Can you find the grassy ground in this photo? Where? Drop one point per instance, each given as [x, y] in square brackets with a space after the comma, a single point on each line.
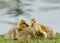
[56, 40]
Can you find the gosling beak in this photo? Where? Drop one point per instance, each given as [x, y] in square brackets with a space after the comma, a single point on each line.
[27, 25]
[32, 25]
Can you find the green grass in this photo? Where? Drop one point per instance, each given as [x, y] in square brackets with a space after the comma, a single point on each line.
[56, 40]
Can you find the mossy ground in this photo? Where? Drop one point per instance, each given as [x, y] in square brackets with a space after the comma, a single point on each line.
[55, 40]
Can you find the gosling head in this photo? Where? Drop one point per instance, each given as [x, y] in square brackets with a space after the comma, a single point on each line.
[32, 21]
[22, 24]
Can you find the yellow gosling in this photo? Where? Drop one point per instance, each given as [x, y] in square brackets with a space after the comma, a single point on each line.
[37, 29]
[12, 33]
